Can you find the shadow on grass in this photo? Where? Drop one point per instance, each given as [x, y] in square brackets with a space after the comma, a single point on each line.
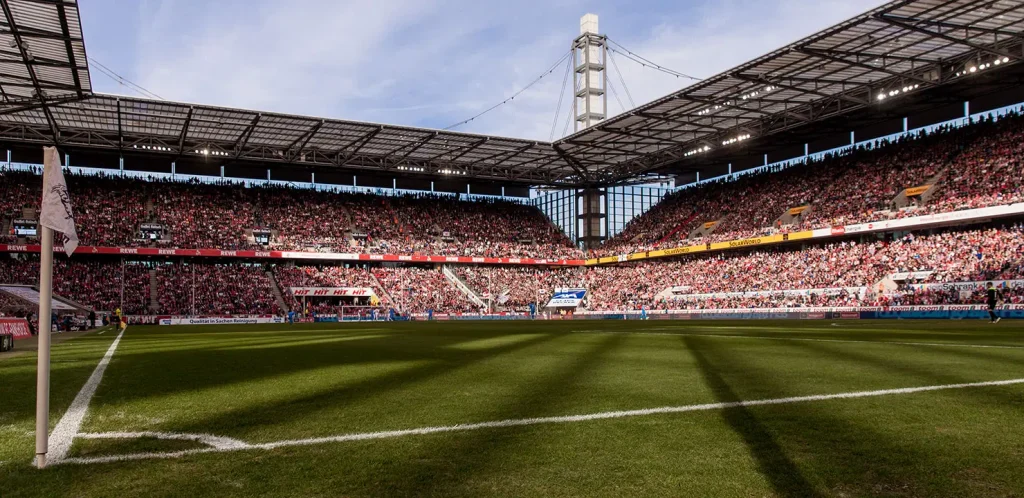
[448, 465]
[783, 475]
[853, 448]
[158, 373]
[444, 361]
[938, 372]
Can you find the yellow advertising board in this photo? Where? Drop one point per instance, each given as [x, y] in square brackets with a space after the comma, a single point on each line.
[710, 224]
[797, 210]
[915, 191]
[717, 246]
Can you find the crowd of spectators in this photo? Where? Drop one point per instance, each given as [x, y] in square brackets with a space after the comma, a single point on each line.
[928, 297]
[951, 256]
[976, 166]
[417, 290]
[109, 211]
[215, 289]
[95, 284]
[325, 276]
[513, 288]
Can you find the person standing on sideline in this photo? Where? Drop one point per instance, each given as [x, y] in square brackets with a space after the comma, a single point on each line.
[993, 297]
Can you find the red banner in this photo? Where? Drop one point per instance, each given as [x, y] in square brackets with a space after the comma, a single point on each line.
[17, 327]
[218, 253]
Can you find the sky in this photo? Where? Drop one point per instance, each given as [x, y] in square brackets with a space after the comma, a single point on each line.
[427, 63]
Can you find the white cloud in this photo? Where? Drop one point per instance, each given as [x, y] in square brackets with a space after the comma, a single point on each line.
[432, 64]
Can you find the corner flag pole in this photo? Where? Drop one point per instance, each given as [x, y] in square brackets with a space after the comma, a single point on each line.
[43, 362]
[55, 215]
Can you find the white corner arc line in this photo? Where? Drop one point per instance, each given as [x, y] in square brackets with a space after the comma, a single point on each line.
[67, 428]
[539, 421]
[219, 442]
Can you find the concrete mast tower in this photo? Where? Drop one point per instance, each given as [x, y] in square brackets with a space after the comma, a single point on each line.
[590, 106]
[590, 80]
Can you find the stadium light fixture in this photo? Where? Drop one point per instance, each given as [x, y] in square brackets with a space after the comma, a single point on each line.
[698, 150]
[896, 91]
[738, 138]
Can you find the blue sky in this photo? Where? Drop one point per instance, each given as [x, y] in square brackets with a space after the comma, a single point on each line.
[420, 62]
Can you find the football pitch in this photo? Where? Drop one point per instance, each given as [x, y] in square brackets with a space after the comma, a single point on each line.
[575, 408]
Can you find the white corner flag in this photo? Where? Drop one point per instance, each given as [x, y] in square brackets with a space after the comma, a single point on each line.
[56, 216]
[56, 213]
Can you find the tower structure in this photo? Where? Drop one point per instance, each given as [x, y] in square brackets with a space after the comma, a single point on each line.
[590, 80]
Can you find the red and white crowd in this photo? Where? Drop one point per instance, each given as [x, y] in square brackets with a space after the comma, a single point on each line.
[973, 166]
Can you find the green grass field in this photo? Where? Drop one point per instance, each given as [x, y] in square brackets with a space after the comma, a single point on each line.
[261, 385]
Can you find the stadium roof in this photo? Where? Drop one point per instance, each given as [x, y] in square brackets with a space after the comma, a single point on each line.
[906, 45]
[42, 56]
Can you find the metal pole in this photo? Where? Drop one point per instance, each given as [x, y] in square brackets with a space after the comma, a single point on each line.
[43, 362]
[193, 289]
[122, 286]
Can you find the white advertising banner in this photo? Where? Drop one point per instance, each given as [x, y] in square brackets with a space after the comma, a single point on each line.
[920, 221]
[219, 320]
[331, 291]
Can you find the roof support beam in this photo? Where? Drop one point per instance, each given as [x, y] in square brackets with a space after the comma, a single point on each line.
[305, 138]
[573, 163]
[824, 55]
[31, 104]
[663, 140]
[120, 133]
[466, 149]
[509, 153]
[361, 142]
[67, 47]
[244, 137]
[671, 119]
[184, 130]
[419, 145]
[840, 96]
[960, 27]
[905, 22]
[860, 56]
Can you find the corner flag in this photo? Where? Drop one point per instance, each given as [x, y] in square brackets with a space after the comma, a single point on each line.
[56, 213]
[56, 216]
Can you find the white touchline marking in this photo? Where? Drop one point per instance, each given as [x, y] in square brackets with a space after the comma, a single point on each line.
[67, 428]
[531, 421]
[812, 339]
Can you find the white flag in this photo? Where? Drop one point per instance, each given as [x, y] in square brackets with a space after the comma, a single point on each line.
[56, 213]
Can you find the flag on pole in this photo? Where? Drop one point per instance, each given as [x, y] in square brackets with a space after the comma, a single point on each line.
[56, 213]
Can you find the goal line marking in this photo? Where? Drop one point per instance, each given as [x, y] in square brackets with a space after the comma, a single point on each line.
[227, 444]
[67, 428]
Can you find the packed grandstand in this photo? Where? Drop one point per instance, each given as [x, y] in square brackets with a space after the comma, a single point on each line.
[962, 168]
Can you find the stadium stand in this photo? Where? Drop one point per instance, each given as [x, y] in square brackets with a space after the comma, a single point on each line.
[419, 290]
[222, 215]
[94, 283]
[975, 166]
[325, 276]
[514, 288]
[214, 289]
[954, 255]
